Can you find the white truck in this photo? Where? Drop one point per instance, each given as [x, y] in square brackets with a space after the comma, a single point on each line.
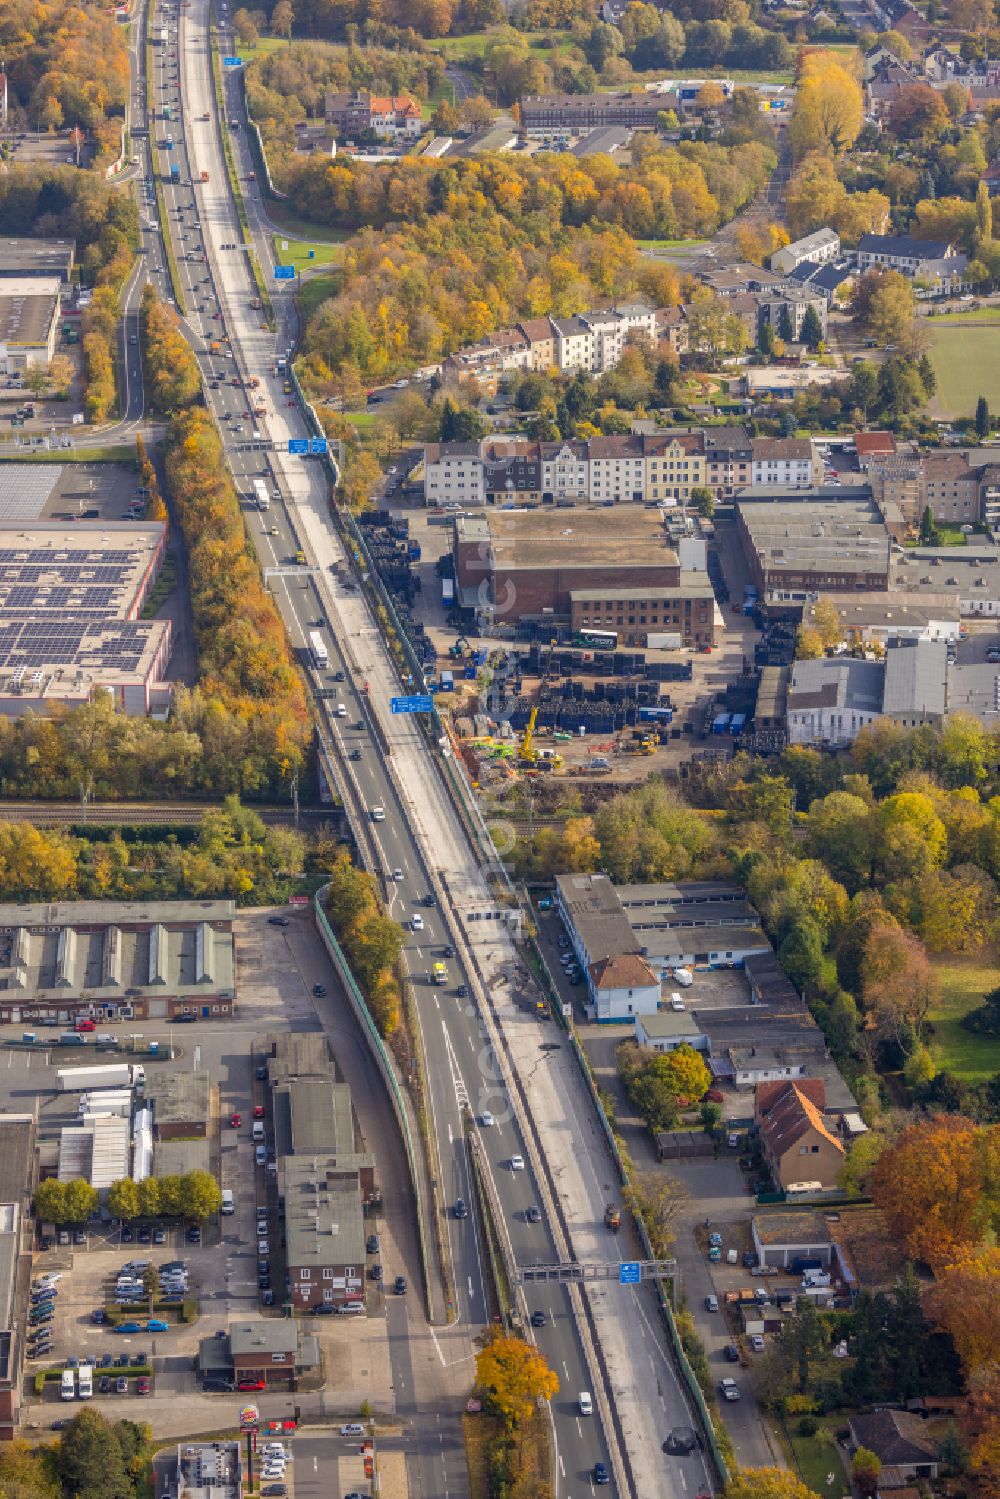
[86, 1376]
[109, 1102]
[116, 1075]
[163, 36]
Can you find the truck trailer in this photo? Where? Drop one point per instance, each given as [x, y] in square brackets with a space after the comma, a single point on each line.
[117, 1075]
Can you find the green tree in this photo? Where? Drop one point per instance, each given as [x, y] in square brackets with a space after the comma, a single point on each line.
[50, 1201]
[803, 1339]
[199, 1195]
[765, 339]
[82, 1200]
[801, 954]
[982, 410]
[785, 330]
[149, 1197]
[865, 1469]
[811, 332]
[703, 500]
[123, 1199]
[90, 1460]
[984, 215]
[838, 831]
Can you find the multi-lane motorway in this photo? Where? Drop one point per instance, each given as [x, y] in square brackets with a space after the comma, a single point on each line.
[412, 839]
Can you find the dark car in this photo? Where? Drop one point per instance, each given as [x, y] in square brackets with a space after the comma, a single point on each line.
[274, 1491]
[538, 1319]
[217, 1386]
[533, 1215]
[731, 1353]
[263, 1282]
[105, 1361]
[261, 1072]
[324, 1309]
[681, 1440]
[749, 1259]
[60, 1425]
[461, 1208]
[127, 1235]
[186, 1017]
[372, 1244]
[448, 951]
[193, 1234]
[601, 1474]
[319, 991]
[138, 1359]
[400, 1285]
[376, 1273]
[277, 921]
[98, 1316]
[103, 1385]
[121, 1362]
[462, 991]
[430, 899]
[267, 1298]
[145, 1236]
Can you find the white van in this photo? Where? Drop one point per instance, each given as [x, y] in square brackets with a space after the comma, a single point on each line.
[676, 1003]
[258, 1132]
[351, 1309]
[586, 1404]
[228, 1202]
[684, 977]
[67, 1388]
[86, 1391]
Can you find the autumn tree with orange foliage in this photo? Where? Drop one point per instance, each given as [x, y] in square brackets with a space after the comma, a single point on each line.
[939, 1186]
[965, 1301]
[982, 1430]
[515, 1376]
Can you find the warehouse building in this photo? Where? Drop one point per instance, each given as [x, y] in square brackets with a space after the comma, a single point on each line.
[29, 322]
[116, 960]
[71, 598]
[37, 257]
[798, 542]
[513, 565]
[181, 1103]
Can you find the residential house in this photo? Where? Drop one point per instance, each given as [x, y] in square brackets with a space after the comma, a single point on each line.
[992, 178]
[565, 471]
[622, 986]
[617, 470]
[950, 488]
[933, 261]
[728, 459]
[900, 1442]
[453, 473]
[820, 246]
[675, 464]
[874, 58]
[791, 461]
[541, 343]
[827, 280]
[798, 1143]
[901, 16]
[884, 89]
[395, 118]
[942, 64]
[612, 328]
[787, 305]
[671, 329]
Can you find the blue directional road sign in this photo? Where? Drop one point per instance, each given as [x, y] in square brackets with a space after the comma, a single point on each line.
[284, 273]
[628, 1273]
[298, 444]
[232, 62]
[418, 704]
[317, 444]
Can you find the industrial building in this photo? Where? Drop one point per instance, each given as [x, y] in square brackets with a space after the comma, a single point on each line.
[17, 1182]
[181, 1103]
[29, 322]
[209, 1470]
[116, 960]
[830, 700]
[582, 566]
[798, 542]
[37, 257]
[96, 1151]
[70, 604]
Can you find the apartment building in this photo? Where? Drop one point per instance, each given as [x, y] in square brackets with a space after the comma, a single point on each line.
[901, 252]
[788, 461]
[821, 246]
[675, 464]
[787, 305]
[554, 118]
[728, 459]
[395, 118]
[574, 339]
[617, 470]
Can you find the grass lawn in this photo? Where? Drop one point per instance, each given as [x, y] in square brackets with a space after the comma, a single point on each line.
[816, 1457]
[967, 364]
[962, 983]
[295, 227]
[363, 420]
[296, 252]
[314, 291]
[265, 45]
[670, 244]
[986, 315]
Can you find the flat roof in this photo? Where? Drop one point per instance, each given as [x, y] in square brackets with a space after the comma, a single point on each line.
[596, 913]
[667, 1024]
[815, 533]
[891, 610]
[691, 585]
[579, 538]
[179, 1097]
[298, 1054]
[263, 1335]
[795, 1227]
[176, 1157]
[17, 1145]
[324, 1222]
[319, 1116]
[21, 257]
[26, 318]
[10, 1249]
[209, 1470]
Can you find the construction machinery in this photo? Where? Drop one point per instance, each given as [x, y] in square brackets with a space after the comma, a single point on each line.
[459, 648]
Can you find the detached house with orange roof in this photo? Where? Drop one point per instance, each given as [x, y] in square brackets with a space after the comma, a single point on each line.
[395, 118]
[798, 1141]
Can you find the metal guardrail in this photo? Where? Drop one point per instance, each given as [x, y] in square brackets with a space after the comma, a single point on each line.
[385, 1066]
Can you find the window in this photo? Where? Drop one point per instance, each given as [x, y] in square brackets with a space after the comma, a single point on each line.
[327, 1273]
[305, 1275]
[327, 1295]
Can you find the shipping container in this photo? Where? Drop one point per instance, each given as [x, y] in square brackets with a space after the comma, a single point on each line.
[119, 1075]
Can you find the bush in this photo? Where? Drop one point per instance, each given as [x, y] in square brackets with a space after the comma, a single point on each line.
[808, 1426]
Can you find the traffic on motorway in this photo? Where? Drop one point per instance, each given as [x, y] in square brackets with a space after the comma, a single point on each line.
[248, 392]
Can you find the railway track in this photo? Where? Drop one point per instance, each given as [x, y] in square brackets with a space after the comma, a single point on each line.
[153, 814]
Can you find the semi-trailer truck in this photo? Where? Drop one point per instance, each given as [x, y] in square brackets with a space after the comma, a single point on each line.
[117, 1075]
[108, 1102]
[175, 172]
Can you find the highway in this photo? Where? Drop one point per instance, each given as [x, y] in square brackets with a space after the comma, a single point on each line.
[420, 838]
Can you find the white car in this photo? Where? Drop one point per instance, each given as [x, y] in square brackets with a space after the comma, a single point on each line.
[517, 1163]
[684, 977]
[341, 711]
[417, 922]
[485, 1119]
[377, 814]
[263, 1248]
[396, 876]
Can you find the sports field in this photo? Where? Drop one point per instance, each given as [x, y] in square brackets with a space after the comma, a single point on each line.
[967, 364]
